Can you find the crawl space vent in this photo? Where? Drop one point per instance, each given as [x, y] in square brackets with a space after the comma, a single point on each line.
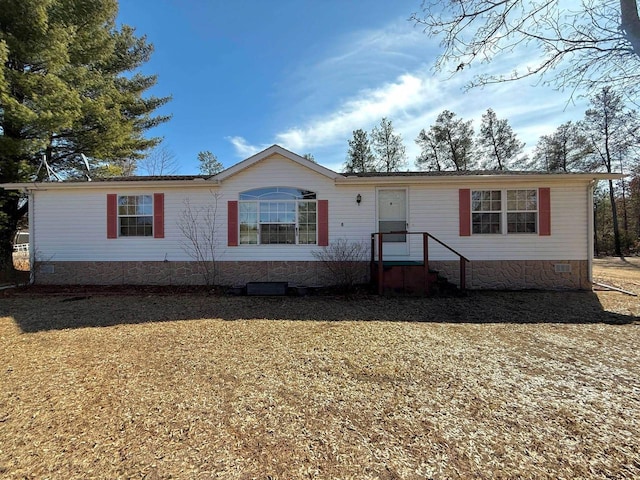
[562, 267]
[47, 268]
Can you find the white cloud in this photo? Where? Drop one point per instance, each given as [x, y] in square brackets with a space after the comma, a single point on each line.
[408, 93]
[395, 43]
[355, 62]
[380, 73]
[243, 148]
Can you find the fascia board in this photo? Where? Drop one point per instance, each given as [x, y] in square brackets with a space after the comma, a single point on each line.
[39, 186]
[273, 150]
[478, 179]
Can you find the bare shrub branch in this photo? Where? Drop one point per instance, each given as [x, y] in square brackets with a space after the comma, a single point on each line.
[199, 225]
[342, 261]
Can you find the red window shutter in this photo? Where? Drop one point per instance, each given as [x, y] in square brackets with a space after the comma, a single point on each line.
[323, 223]
[232, 223]
[112, 215]
[158, 215]
[544, 211]
[465, 211]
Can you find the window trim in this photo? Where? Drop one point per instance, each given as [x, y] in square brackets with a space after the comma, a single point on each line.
[504, 211]
[150, 216]
[518, 211]
[489, 212]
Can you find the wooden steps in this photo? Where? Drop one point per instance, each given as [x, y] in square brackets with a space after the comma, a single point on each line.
[407, 278]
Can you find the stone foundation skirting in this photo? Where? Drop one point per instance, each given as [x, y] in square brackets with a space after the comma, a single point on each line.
[187, 273]
[496, 275]
[518, 274]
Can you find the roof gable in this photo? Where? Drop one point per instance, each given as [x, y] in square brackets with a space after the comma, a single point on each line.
[269, 152]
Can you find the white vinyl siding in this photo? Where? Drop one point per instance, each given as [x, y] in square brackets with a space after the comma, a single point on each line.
[432, 207]
[436, 210]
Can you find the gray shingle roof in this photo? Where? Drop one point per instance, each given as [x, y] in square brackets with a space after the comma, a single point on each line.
[143, 178]
[448, 173]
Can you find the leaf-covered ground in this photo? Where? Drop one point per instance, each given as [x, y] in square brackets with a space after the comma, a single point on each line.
[493, 385]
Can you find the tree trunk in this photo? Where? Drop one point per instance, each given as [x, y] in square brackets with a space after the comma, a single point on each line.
[8, 225]
[625, 216]
[495, 151]
[10, 211]
[630, 23]
[614, 220]
[637, 206]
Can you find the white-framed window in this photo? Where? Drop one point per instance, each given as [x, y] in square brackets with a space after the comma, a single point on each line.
[135, 215]
[278, 216]
[486, 211]
[522, 211]
[492, 209]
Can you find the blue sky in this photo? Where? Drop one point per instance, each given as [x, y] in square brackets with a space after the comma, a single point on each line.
[304, 74]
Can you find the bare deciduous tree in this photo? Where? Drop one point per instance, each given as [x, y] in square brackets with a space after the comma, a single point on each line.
[199, 225]
[589, 44]
[160, 161]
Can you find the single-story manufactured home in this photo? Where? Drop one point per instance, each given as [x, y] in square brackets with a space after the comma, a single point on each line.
[263, 219]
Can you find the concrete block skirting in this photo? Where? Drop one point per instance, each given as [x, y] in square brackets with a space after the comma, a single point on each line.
[489, 274]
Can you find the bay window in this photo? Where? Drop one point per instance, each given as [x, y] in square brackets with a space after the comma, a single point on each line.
[277, 215]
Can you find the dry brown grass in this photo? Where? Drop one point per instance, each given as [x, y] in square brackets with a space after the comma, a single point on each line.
[494, 385]
[622, 273]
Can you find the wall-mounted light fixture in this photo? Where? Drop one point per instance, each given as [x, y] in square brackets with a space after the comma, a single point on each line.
[358, 199]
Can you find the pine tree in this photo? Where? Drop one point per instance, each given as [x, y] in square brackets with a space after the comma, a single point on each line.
[430, 157]
[68, 86]
[360, 158]
[562, 151]
[497, 144]
[612, 131]
[387, 144]
[447, 145]
[209, 164]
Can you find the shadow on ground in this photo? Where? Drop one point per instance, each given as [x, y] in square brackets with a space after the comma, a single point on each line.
[38, 312]
[629, 264]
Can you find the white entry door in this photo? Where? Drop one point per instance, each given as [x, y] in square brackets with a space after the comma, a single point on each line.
[392, 217]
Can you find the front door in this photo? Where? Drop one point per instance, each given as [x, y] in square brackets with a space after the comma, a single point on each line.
[392, 217]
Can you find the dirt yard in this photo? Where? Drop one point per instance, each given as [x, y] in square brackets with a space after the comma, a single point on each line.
[492, 385]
